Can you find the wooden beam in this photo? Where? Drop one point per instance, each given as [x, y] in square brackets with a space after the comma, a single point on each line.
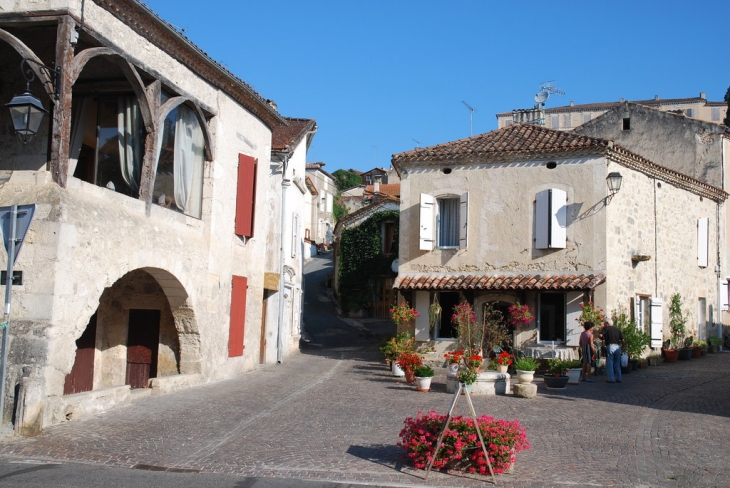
[61, 128]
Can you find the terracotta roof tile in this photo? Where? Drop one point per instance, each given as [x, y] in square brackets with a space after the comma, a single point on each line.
[388, 189]
[515, 139]
[285, 137]
[499, 282]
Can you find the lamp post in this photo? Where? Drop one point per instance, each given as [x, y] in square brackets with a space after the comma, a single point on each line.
[613, 180]
[26, 110]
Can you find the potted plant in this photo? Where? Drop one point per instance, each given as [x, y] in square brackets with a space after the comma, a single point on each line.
[677, 323]
[525, 367]
[394, 347]
[402, 314]
[503, 360]
[714, 344]
[424, 375]
[685, 353]
[461, 450]
[453, 358]
[474, 362]
[574, 367]
[408, 361]
[520, 315]
[556, 377]
[467, 377]
[635, 339]
[653, 359]
[698, 349]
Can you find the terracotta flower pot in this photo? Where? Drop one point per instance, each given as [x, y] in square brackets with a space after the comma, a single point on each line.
[671, 355]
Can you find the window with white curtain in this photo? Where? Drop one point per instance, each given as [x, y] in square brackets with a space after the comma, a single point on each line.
[179, 176]
[443, 221]
[447, 222]
[107, 143]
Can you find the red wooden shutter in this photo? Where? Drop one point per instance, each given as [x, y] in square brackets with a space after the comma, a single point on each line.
[246, 195]
[238, 316]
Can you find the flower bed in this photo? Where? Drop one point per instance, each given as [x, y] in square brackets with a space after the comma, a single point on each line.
[461, 449]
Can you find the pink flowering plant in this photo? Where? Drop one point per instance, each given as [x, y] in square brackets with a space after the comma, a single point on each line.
[591, 313]
[520, 314]
[460, 449]
[403, 313]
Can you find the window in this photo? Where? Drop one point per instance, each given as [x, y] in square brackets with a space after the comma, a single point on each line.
[648, 317]
[703, 229]
[179, 175]
[443, 222]
[107, 143]
[551, 314]
[245, 196]
[724, 296]
[555, 121]
[715, 114]
[566, 121]
[690, 112]
[551, 219]
[626, 124]
[239, 289]
[586, 117]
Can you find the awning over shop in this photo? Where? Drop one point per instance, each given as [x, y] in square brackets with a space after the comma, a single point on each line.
[557, 282]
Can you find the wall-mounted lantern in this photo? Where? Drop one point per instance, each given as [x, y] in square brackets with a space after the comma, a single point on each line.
[613, 180]
[26, 110]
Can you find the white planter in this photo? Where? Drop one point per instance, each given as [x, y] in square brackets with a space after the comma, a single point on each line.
[574, 375]
[525, 377]
[395, 369]
[453, 368]
[423, 383]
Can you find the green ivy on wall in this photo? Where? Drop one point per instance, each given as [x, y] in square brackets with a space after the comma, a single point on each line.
[361, 259]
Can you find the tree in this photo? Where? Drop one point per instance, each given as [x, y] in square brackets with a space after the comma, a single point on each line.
[346, 179]
[339, 209]
[727, 115]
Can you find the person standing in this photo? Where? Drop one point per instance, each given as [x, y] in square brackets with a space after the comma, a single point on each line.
[587, 351]
[614, 339]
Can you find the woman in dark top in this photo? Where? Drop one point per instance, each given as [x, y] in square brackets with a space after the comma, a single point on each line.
[587, 351]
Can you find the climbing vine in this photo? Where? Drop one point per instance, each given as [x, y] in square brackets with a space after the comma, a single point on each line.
[361, 259]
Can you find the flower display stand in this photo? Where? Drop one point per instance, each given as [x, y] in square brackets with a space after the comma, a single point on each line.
[487, 383]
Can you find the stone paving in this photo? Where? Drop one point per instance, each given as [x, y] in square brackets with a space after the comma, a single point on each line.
[335, 417]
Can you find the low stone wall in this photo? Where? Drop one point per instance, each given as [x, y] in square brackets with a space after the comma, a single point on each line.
[169, 384]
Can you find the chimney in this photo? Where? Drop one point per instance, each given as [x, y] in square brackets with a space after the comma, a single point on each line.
[656, 97]
[572, 103]
[621, 100]
[703, 95]
[376, 186]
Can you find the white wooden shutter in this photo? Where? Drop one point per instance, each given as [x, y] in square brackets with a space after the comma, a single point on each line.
[723, 296]
[463, 219]
[426, 232]
[656, 322]
[542, 210]
[703, 225]
[638, 316]
[551, 219]
[294, 235]
[573, 328]
[558, 218]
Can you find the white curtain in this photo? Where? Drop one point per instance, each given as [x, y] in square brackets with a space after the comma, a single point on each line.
[448, 222]
[129, 153]
[188, 173]
[77, 134]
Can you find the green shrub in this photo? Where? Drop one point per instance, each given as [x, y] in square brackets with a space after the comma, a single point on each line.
[424, 371]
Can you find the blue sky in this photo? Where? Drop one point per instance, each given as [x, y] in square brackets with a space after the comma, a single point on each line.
[378, 75]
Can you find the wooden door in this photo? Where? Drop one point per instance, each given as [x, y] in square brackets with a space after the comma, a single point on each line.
[81, 377]
[143, 340]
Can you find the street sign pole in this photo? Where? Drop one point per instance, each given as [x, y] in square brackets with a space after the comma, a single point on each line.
[14, 221]
[6, 310]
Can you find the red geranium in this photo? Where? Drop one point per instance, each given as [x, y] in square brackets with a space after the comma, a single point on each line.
[504, 358]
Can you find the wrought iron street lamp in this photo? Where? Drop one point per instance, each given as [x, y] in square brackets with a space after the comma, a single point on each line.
[26, 110]
[613, 180]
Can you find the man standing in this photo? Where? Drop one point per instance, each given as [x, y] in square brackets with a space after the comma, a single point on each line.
[613, 338]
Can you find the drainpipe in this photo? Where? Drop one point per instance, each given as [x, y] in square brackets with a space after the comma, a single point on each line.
[285, 183]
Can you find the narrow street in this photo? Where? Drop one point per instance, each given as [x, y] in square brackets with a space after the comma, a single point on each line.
[330, 416]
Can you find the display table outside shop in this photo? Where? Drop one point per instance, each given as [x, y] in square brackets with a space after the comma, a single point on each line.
[547, 351]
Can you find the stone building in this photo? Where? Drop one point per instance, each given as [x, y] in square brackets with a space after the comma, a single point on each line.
[322, 220]
[524, 214]
[573, 115]
[693, 147]
[149, 262]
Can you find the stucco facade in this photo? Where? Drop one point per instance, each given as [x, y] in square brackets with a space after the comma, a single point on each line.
[95, 257]
[503, 255]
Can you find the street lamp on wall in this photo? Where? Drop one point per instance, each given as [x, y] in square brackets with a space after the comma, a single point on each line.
[26, 110]
[613, 180]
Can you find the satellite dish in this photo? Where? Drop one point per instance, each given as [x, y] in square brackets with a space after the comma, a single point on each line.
[542, 96]
[394, 265]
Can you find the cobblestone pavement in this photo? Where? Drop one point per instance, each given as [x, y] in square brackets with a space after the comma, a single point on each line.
[335, 417]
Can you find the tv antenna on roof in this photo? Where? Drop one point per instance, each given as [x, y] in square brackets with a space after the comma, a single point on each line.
[471, 113]
[417, 143]
[546, 89]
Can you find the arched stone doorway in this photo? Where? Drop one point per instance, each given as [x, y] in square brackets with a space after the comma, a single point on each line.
[142, 329]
